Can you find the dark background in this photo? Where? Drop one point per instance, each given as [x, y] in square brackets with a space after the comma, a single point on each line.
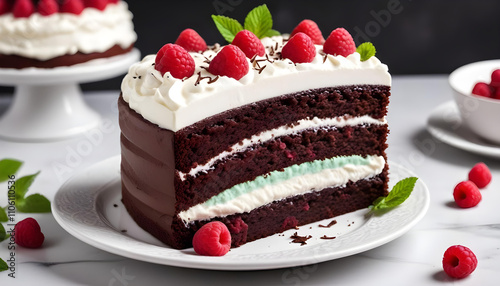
[411, 36]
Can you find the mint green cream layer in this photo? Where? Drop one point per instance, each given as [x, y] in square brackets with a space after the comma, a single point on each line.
[276, 177]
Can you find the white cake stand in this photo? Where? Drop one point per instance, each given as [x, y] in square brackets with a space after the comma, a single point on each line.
[48, 103]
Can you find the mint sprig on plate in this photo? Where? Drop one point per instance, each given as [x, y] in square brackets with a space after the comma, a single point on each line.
[366, 50]
[258, 21]
[399, 193]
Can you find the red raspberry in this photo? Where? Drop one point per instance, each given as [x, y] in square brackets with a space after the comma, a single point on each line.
[230, 62]
[249, 44]
[47, 7]
[190, 40]
[482, 89]
[495, 78]
[114, 1]
[23, 8]
[311, 29]
[72, 6]
[496, 94]
[339, 43]
[212, 239]
[27, 233]
[98, 4]
[5, 6]
[459, 261]
[176, 60]
[299, 49]
[466, 194]
[480, 175]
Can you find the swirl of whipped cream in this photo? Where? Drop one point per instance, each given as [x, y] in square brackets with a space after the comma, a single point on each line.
[174, 103]
[46, 37]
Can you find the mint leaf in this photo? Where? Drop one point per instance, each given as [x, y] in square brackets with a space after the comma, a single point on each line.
[3, 215]
[3, 234]
[271, 33]
[8, 167]
[366, 50]
[23, 184]
[228, 27]
[259, 21]
[399, 193]
[35, 203]
[3, 265]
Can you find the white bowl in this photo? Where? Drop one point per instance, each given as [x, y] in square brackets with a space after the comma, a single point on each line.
[480, 114]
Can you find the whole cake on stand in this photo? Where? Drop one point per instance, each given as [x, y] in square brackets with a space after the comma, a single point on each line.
[47, 48]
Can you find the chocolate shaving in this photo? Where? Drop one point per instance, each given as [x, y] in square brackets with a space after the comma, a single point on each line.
[200, 78]
[332, 223]
[271, 53]
[300, 239]
[324, 58]
[328, 237]
[260, 69]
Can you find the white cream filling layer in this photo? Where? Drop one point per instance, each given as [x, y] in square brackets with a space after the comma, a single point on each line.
[301, 125]
[274, 191]
[45, 37]
[174, 103]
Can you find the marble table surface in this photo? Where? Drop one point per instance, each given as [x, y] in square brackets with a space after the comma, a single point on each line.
[412, 259]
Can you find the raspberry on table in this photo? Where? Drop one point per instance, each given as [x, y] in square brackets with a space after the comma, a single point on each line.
[47, 7]
[299, 49]
[191, 41]
[176, 60]
[72, 6]
[339, 43]
[311, 29]
[466, 194]
[480, 174]
[212, 239]
[249, 44]
[23, 8]
[459, 261]
[230, 62]
[482, 89]
[27, 233]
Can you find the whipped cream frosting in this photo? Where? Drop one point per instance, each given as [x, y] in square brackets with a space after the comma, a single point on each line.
[279, 185]
[289, 129]
[174, 103]
[46, 37]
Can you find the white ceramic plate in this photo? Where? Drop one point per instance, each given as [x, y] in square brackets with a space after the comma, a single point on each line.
[445, 124]
[88, 207]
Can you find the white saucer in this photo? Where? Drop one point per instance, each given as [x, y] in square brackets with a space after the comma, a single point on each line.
[89, 207]
[445, 124]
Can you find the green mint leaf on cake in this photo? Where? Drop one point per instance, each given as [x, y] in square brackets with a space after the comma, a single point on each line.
[8, 167]
[35, 203]
[272, 33]
[3, 265]
[259, 21]
[399, 193]
[228, 27]
[366, 50]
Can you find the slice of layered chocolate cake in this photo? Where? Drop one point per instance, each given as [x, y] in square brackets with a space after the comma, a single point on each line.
[290, 134]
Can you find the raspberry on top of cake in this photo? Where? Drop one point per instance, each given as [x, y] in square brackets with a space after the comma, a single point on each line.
[264, 134]
[50, 33]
